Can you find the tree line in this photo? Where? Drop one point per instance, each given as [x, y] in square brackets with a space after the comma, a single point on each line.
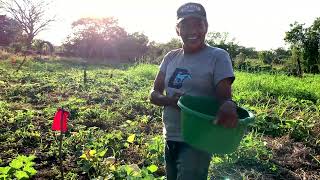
[305, 46]
[103, 38]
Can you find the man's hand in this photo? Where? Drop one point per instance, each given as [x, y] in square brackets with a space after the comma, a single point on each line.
[227, 115]
[158, 98]
[174, 99]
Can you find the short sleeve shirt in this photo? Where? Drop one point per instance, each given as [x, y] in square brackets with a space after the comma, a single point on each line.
[193, 74]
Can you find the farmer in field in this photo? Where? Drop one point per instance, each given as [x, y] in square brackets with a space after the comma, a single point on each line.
[196, 69]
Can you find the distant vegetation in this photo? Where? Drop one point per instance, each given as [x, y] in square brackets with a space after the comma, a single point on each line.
[305, 45]
[103, 39]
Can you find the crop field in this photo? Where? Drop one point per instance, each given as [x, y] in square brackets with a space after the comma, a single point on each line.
[114, 132]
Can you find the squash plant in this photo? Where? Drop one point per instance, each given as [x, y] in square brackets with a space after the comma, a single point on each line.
[20, 168]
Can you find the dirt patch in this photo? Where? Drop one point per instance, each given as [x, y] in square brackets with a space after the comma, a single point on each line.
[294, 158]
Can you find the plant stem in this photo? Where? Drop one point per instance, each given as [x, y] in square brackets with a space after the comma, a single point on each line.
[24, 60]
[60, 147]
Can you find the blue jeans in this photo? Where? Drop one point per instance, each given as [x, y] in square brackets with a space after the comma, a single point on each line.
[184, 162]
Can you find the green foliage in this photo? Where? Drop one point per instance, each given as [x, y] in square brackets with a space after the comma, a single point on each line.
[133, 172]
[266, 56]
[156, 51]
[254, 66]
[20, 168]
[252, 153]
[104, 38]
[9, 30]
[293, 66]
[281, 55]
[131, 138]
[43, 47]
[252, 147]
[306, 39]
[115, 132]
[223, 40]
[30, 15]
[152, 168]
[282, 105]
[5, 55]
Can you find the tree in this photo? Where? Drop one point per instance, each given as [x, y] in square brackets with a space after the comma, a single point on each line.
[250, 52]
[30, 14]
[266, 56]
[223, 41]
[281, 54]
[134, 45]
[174, 43]
[312, 47]
[306, 41]
[42, 47]
[9, 30]
[95, 37]
[296, 38]
[296, 61]
[104, 38]
[240, 61]
[218, 38]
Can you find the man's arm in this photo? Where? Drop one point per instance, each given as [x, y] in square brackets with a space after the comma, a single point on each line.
[224, 90]
[227, 114]
[156, 95]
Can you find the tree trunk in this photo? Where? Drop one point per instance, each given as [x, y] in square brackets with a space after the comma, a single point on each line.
[299, 66]
[29, 41]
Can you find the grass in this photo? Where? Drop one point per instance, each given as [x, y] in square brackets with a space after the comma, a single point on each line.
[115, 132]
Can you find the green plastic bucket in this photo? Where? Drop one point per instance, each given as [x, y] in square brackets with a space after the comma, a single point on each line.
[197, 114]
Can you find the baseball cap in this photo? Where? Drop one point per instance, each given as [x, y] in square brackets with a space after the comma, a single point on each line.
[191, 10]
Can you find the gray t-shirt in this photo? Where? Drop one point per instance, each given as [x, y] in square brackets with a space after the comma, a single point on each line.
[194, 74]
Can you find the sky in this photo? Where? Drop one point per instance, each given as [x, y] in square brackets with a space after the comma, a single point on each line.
[253, 23]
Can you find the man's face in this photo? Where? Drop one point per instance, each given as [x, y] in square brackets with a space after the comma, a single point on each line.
[192, 31]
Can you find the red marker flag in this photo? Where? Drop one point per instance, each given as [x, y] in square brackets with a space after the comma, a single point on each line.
[63, 115]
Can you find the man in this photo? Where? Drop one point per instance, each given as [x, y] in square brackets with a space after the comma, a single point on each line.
[196, 69]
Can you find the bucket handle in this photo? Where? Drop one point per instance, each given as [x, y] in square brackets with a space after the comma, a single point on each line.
[242, 122]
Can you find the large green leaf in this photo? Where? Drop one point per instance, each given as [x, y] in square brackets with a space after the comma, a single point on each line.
[152, 168]
[31, 157]
[21, 175]
[133, 170]
[16, 163]
[92, 152]
[30, 164]
[3, 176]
[102, 153]
[131, 138]
[22, 158]
[5, 170]
[30, 170]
